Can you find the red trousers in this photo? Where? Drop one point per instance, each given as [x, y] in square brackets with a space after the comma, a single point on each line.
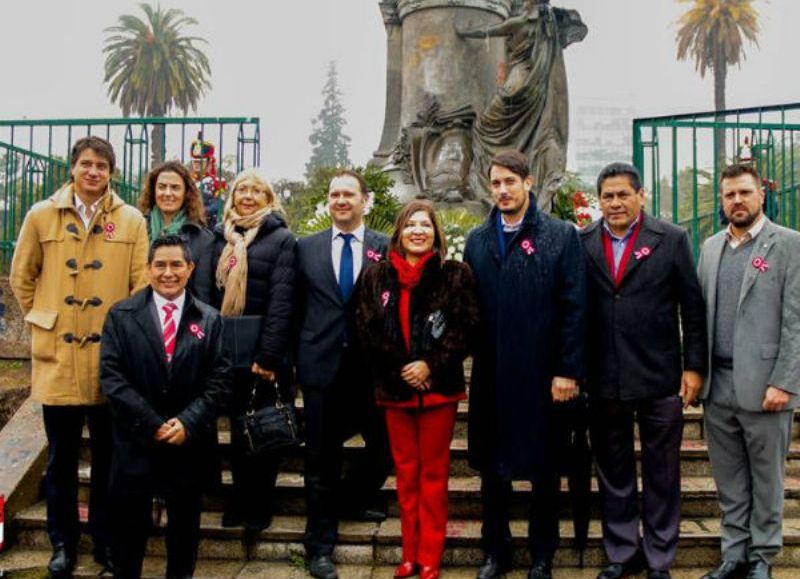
[420, 442]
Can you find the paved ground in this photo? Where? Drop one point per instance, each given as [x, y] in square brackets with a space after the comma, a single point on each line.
[32, 565]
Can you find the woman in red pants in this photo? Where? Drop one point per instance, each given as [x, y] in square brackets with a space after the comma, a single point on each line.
[414, 314]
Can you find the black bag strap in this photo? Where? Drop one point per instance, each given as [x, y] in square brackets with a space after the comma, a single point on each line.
[251, 406]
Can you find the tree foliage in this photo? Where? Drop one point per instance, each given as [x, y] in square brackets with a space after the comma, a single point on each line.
[330, 144]
[152, 66]
[713, 34]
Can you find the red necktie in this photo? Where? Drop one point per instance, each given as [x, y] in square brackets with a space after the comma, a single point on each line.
[170, 330]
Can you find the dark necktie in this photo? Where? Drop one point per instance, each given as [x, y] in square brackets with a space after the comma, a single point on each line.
[346, 266]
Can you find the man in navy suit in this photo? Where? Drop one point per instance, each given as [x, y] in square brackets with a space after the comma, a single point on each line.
[337, 396]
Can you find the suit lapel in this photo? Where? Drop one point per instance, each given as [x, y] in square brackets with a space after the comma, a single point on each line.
[325, 261]
[594, 247]
[154, 337]
[712, 257]
[761, 247]
[646, 242]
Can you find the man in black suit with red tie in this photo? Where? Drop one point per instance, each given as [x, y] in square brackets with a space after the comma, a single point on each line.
[646, 358]
[167, 378]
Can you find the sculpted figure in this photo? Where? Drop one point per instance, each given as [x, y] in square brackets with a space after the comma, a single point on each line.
[529, 112]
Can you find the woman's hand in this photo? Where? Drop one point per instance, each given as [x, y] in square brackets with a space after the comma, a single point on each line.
[417, 375]
[268, 375]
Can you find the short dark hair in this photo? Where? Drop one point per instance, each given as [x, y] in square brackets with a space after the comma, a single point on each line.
[618, 169]
[439, 243]
[97, 144]
[362, 184]
[739, 169]
[514, 161]
[170, 241]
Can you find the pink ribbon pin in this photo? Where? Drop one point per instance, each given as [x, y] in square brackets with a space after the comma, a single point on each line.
[642, 253]
[198, 333]
[760, 264]
[527, 247]
[373, 255]
[232, 262]
[385, 298]
[110, 228]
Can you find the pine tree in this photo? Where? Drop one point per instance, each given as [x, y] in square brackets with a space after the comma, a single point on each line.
[330, 144]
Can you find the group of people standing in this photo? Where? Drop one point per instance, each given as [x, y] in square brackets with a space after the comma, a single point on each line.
[133, 317]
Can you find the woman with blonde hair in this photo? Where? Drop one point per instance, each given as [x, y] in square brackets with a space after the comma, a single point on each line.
[171, 204]
[254, 261]
[414, 314]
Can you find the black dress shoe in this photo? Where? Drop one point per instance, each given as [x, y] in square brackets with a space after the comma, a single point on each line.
[620, 570]
[727, 570]
[541, 569]
[365, 515]
[759, 570]
[492, 568]
[104, 557]
[232, 519]
[322, 567]
[62, 562]
[653, 574]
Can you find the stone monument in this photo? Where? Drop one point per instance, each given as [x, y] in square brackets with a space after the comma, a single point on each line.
[452, 102]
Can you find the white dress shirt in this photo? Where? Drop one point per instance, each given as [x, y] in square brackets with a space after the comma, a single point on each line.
[357, 243]
[160, 302]
[84, 211]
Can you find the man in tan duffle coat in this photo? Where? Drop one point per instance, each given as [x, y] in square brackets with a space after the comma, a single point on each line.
[78, 252]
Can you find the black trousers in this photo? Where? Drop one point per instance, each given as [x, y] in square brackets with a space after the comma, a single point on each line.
[133, 523]
[63, 426]
[660, 430]
[543, 531]
[332, 416]
[254, 477]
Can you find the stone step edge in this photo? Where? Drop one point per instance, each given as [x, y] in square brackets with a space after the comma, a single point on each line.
[290, 529]
[691, 486]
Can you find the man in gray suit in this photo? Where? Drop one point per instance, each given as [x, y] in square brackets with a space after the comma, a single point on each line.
[750, 274]
[337, 396]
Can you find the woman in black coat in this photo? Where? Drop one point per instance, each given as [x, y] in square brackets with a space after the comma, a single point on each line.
[172, 204]
[254, 261]
[414, 314]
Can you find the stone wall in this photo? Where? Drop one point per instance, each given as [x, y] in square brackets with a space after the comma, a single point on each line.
[15, 338]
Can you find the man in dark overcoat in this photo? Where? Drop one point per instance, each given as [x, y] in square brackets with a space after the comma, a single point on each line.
[646, 357]
[167, 378]
[528, 356]
[337, 395]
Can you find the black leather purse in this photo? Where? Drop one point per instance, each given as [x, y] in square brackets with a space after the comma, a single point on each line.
[269, 428]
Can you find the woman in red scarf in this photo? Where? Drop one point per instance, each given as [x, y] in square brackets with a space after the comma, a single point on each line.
[414, 315]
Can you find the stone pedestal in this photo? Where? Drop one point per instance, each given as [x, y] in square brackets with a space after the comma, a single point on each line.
[436, 84]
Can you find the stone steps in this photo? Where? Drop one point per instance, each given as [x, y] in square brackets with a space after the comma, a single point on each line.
[379, 543]
[699, 496]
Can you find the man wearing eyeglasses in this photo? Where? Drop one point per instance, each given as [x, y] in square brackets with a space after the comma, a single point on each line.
[646, 359]
[750, 273]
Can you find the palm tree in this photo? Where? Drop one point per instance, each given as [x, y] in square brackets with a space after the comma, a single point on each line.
[152, 67]
[712, 32]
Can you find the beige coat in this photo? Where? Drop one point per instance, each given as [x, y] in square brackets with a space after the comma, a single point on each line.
[65, 280]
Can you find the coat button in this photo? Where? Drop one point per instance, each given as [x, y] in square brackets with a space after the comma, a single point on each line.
[96, 264]
[72, 228]
[72, 263]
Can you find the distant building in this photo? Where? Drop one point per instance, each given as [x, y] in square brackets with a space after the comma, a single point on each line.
[600, 134]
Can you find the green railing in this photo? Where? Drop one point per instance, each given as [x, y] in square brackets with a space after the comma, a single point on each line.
[34, 156]
[681, 157]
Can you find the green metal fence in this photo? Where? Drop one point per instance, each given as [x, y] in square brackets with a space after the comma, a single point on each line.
[34, 156]
[681, 157]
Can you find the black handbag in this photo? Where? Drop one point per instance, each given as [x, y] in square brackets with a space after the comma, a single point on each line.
[269, 428]
[240, 336]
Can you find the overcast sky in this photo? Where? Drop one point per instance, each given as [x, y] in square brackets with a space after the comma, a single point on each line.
[269, 59]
